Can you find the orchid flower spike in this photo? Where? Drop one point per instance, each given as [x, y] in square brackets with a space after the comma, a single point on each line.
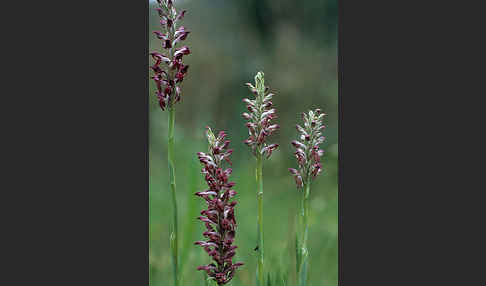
[308, 152]
[219, 217]
[169, 70]
[260, 114]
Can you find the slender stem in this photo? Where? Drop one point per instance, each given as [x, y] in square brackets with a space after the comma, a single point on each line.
[259, 180]
[174, 235]
[305, 213]
[304, 250]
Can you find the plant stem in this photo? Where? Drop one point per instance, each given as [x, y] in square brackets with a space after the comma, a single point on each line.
[174, 235]
[259, 180]
[304, 250]
[305, 213]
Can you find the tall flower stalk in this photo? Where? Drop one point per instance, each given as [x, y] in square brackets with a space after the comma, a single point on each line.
[169, 72]
[308, 156]
[259, 116]
[219, 217]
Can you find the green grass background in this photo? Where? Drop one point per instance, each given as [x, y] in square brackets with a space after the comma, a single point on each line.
[294, 43]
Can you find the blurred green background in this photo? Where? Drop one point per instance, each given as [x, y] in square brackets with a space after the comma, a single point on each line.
[295, 44]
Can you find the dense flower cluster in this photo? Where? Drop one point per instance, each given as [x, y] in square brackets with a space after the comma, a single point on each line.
[307, 152]
[259, 115]
[219, 216]
[168, 68]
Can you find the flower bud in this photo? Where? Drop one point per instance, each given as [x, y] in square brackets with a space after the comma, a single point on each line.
[181, 15]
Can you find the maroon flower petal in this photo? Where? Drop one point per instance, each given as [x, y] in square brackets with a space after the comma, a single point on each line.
[180, 16]
[182, 51]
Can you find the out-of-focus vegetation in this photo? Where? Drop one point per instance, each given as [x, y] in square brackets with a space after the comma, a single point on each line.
[295, 44]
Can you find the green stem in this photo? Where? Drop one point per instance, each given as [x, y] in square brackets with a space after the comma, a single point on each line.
[305, 214]
[174, 235]
[259, 180]
[304, 250]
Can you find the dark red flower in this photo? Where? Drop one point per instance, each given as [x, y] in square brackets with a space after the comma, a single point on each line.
[184, 69]
[219, 217]
[166, 44]
[180, 34]
[166, 81]
[179, 77]
[160, 36]
[181, 15]
[169, 22]
[182, 52]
